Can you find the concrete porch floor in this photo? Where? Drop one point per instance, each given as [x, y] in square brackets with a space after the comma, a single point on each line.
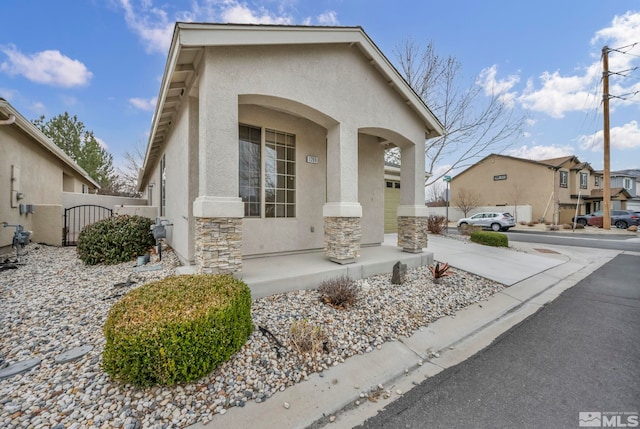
[271, 275]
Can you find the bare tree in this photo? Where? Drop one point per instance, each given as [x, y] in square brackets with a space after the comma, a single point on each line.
[475, 123]
[466, 200]
[435, 194]
[515, 195]
[128, 174]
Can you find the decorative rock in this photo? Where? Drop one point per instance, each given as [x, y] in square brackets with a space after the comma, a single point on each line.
[40, 318]
[286, 405]
[18, 368]
[72, 354]
[332, 419]
[399, 272]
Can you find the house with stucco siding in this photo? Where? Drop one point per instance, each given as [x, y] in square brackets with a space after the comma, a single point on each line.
[555, 188]
[34, 173]
[270, 139]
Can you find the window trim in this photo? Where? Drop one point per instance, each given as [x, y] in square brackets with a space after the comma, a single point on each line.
[584, 183]
[564, 175]
[281, 194]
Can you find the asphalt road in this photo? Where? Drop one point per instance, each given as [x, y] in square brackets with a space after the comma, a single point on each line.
[580, 353]
[594, 241]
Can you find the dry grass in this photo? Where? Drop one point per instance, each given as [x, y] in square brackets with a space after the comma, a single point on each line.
[306, 338]
[340, 292]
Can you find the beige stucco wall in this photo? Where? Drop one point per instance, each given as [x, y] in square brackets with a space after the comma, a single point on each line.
[526, 184]
[47, 224]
[371, 189]
[314, 92]
[40, 179]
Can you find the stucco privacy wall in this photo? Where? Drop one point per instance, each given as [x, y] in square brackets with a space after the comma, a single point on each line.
[38, 176]
[371, 188]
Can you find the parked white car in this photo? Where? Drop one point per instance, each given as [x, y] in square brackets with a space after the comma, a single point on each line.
[493, 220]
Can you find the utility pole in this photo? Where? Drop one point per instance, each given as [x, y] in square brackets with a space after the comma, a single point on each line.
[606, 190]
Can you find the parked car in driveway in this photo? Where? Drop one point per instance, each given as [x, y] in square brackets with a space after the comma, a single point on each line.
[495, 220]
[619, 218]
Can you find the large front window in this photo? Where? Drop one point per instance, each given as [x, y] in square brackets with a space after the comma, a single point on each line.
[267, 172]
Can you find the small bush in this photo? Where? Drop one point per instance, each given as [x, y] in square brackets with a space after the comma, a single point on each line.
[490, 238]
[633, 228]
[548, 222]
[439, 271]
[339, 292]
[468, 229]
[554, 227]
[306, 338]
[567, 226]
[176, 330]
[115, 240]
[579, 226]
[532, 223]
[523, 222]
[436, 224]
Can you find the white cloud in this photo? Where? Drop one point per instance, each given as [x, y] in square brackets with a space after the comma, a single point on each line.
[556, 94]
[328, 18]
[561, 94]
[46, 67]
[8, 94]
[238, 13]
[38, 108]
[102, 143]
[500, 87]
[144, 103]
[152, 26]
[540, 152]
[624, 137]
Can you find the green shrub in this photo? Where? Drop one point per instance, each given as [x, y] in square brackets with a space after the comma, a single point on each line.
[175, 330]
[115, 240]
[490, 238]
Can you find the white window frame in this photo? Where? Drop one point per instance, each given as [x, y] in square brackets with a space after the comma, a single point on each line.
[282, 202]
[564, 175]
[627, 183]
[584, 180]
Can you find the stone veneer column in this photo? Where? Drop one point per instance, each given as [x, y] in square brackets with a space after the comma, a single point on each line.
[218, 245]
[412, 233]
[342, 239]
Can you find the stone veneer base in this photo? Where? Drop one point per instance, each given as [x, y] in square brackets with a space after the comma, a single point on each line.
[342, 237]
[218, 245]
[412, 233]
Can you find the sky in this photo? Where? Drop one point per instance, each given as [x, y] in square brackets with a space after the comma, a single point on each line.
[103, 60]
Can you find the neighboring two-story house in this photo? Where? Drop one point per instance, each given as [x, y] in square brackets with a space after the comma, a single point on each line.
[626, 180]
[554, 188]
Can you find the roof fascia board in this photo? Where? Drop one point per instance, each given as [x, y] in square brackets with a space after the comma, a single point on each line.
[34, 132]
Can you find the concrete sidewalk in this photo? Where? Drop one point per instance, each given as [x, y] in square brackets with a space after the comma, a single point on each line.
[535, 278]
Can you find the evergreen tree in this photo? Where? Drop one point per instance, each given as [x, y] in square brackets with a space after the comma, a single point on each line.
[70, 134]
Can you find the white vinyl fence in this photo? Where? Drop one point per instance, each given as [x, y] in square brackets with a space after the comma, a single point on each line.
[521, 213]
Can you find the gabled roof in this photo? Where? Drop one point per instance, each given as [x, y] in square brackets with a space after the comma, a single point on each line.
[598, 193]
[185, 54]
[558, 162]
[38, 136]
[554, 163]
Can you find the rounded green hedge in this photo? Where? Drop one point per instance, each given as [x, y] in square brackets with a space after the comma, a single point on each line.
[115, 240]
[175, 330]
[490, 238]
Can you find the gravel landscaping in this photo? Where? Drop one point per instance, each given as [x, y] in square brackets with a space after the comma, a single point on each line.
[53, 304]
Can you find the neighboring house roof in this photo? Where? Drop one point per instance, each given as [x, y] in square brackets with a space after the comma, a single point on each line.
[186, 51]
[558, 162]
[633, 172]
[615, 192]
[38, 136]
[554, 163]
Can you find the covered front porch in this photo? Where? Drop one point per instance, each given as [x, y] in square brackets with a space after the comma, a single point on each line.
[269, 275]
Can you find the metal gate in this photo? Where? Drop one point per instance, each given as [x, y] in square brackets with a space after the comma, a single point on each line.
[76, 218]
